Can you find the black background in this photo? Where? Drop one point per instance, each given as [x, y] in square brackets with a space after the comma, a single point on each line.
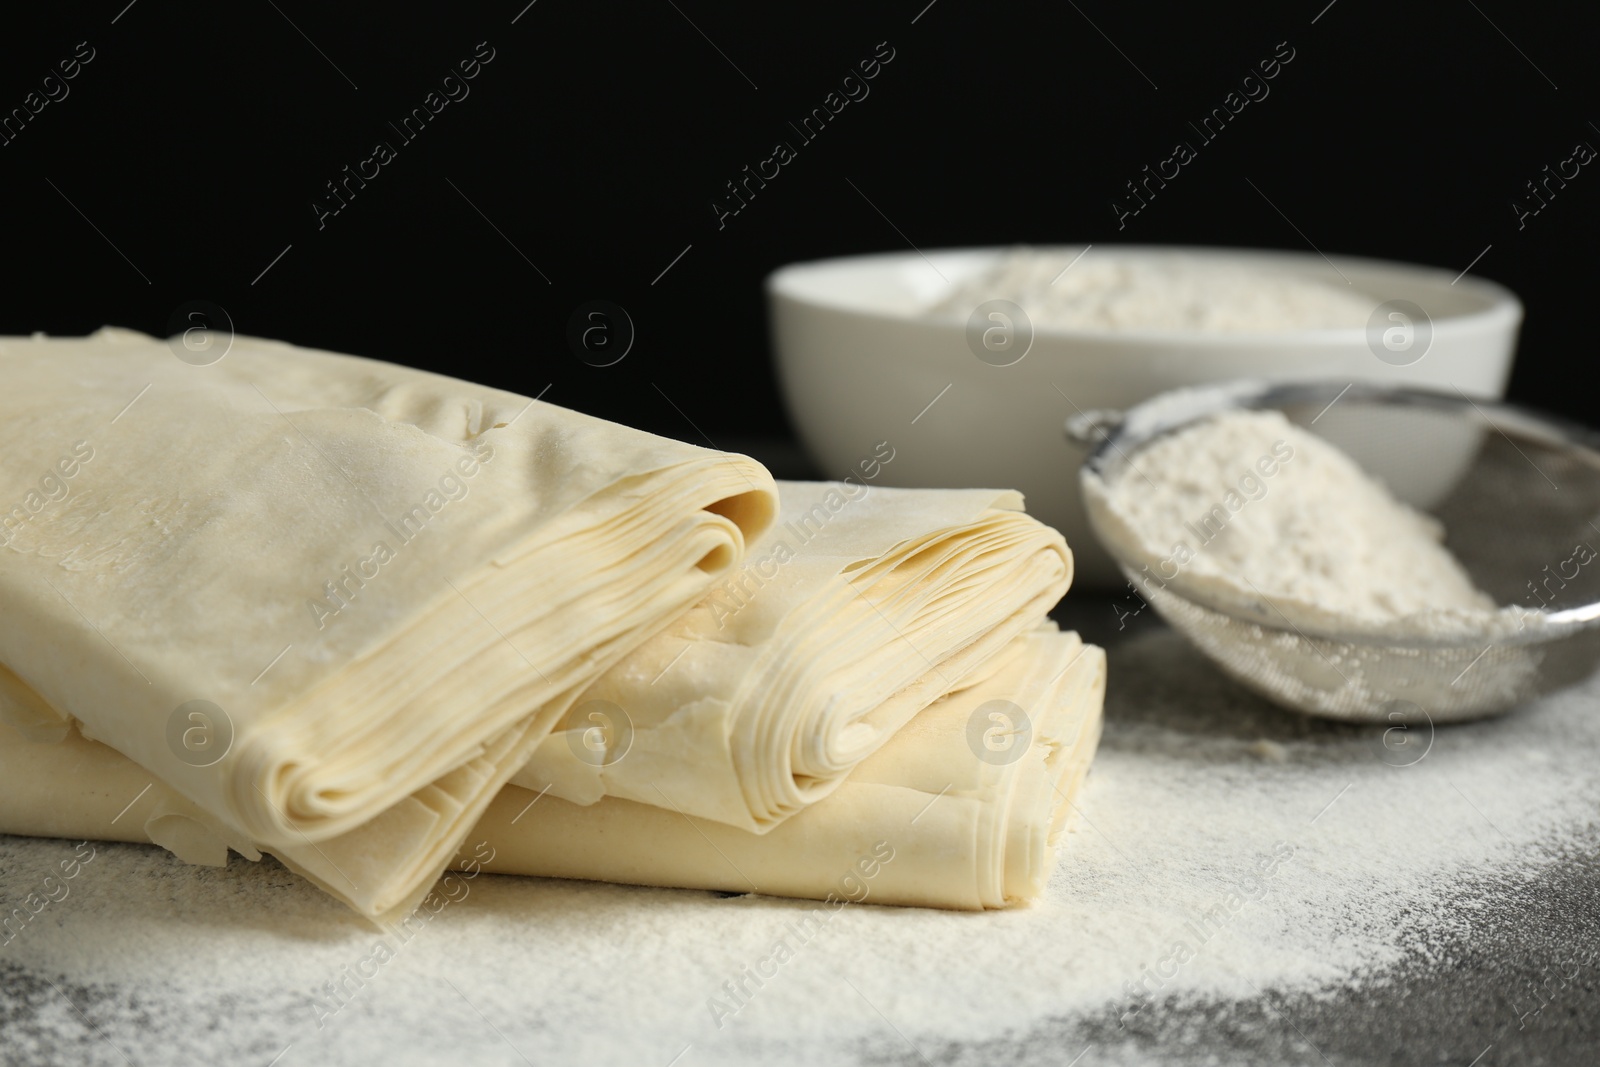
[197, 139]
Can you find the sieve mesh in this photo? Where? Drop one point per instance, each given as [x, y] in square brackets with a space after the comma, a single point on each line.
[1518, 494]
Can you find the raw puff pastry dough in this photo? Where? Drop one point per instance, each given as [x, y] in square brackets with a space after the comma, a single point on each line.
[210, 510]
[860, 607]
[923, 821]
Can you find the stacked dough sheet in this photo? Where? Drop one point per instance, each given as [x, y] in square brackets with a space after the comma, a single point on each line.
[328, 608]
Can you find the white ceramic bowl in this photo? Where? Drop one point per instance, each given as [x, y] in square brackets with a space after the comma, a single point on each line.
[860, 364]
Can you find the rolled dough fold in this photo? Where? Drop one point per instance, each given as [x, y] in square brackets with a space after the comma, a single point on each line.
[945, 814]
[377, 588]
[860, 607]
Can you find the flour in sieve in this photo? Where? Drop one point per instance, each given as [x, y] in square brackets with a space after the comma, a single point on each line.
[1244, 507]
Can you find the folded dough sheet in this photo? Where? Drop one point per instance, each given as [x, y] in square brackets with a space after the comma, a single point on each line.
[860, 607]
[960, 809]
[335, 603]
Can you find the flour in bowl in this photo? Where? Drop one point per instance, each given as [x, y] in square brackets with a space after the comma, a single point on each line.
[1167, 291]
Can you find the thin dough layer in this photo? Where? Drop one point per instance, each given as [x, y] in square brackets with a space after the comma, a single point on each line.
[859, 608]
[384, 585]
[945, 814]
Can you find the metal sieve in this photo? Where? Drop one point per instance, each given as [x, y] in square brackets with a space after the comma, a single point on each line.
[1518, 494]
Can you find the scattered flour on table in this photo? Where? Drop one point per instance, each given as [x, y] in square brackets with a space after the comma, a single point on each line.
[1181, 816]
[1245, 505]
[1165, 291]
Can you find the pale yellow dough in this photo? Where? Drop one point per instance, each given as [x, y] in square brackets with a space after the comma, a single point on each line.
[209, 510]
[860, 607]
[923, 821]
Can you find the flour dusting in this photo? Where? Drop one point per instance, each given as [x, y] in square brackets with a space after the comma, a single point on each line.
[1198, 871]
